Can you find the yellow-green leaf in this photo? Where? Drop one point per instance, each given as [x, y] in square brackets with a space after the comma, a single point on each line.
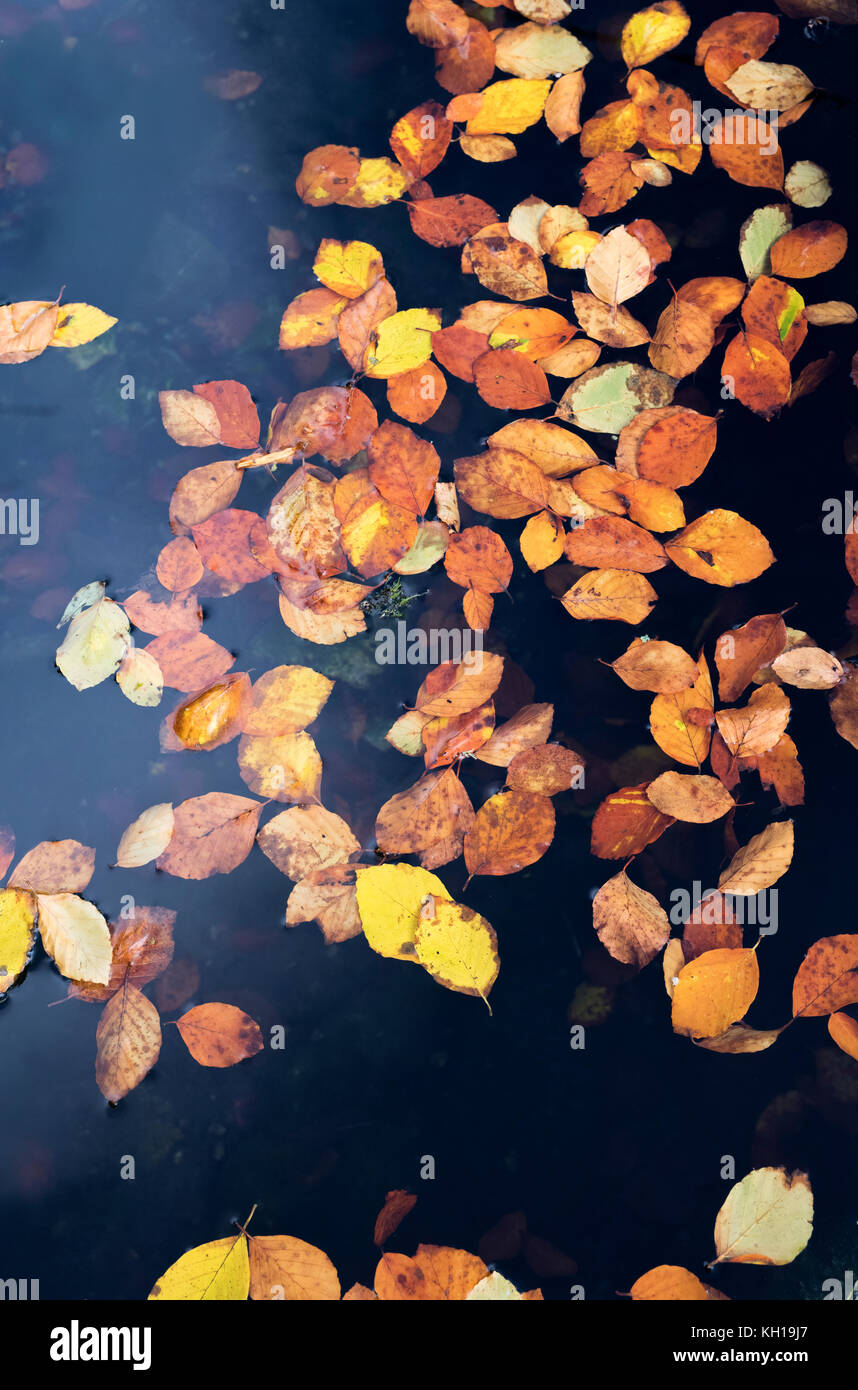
[218, 1270]
[389, 899]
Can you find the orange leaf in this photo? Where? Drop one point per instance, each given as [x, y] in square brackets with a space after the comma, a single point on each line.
[219, 1035]
[713, 991]
[512, 830]
[827, 978]
[508, 380]
[809, 250]
[721, 548]
[611, 542]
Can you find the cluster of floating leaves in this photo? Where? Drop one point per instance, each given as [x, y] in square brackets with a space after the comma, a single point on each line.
[766, 1219]
[330, 539]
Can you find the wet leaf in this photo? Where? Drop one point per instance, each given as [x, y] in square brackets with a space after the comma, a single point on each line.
[767, 1219]
[219, 1035]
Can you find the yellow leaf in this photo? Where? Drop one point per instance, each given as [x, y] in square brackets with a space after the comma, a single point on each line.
[283, 767]
[80, 323]
[402, 342]
[654, 31]
[349, 268]
[389, 899]
[458, 948]
[508, 108]
[378, 181]
[218, 1270]
[17, 928]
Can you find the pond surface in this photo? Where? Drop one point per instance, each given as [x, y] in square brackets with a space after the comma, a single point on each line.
[614, 1154]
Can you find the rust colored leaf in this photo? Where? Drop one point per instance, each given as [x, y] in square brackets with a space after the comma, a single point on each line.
[219, 1035]
[396, 1207]
[403, 467]
[827, 978]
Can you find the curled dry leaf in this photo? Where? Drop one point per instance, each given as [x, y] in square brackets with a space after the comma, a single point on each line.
[327, 896]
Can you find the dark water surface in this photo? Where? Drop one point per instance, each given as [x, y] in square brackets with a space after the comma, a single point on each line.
[614, 1154]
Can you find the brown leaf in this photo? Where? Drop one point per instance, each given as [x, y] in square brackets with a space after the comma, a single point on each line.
[629, 922]
[128, 1042]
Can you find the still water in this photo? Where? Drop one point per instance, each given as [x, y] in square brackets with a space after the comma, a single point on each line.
[613, 1154]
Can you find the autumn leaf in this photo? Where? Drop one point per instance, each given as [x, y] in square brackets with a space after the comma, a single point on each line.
[146, 837]
[827, 979]
[436, 1273]
[629, 921]
[767, 1219]
[429, 819]
[75, 936]
[94, 645]
[680, 722]
[142, 948]
[761, 862]
[219, 1035]
[720, 547]
[18, 913]
[689, 798]
[843, 1030]
[55, 866]
[396, 1207]
[512, 830]
[457, 947]
[617, 595]
[306, 838]
[661, 667]
[449, 221]
[742, 652]
[212, 834]
[653, 31]
[219, 1270]
[285, 1268]
[714, 990]
[128, 1042]
[809, 250]
[328, 897]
